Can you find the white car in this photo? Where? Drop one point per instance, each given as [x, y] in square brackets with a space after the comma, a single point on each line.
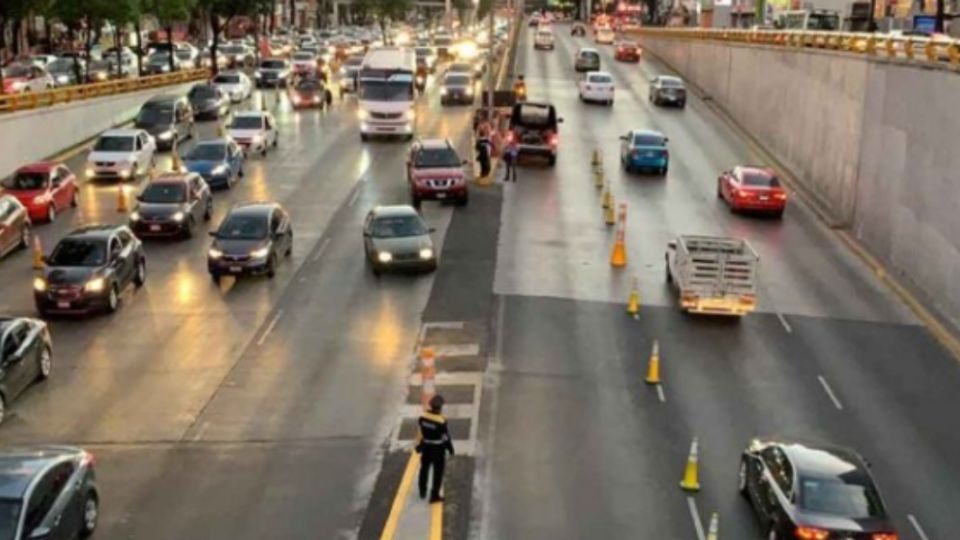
[604, 36]
[254, 131]
[26, 78]
[543, 39]
[597, 86]
[122, 154]
[235, 84]
[304, 63]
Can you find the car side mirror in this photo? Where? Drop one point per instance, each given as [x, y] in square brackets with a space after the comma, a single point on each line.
[432, 230]
[212, 234]
[559, 120]
[666, 139]
[366, 234]
[624, 138]
[672, 244]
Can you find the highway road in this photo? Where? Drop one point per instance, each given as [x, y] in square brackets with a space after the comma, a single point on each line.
[575, 444]
[256, 410]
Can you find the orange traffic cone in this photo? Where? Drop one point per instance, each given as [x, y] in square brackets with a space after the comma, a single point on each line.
[618, 257]
[121, 199]
[607, 196]
[691, 474]
[37, 253]
[653, 366]
[633, 303]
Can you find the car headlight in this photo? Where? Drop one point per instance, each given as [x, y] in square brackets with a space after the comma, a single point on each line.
[39, 284]
[165, 68]
[257, 139]
[165, 136]
[384, 256]
[214, 253]
[426, 254]
[41, 199]
[362, 114]
[95, 285]
[257, 74]
[62, 79]
[468, 91]
[125, 173]
[219, 169]
[134, 216]
[411, 114]
[260, 253]
[90, 172]
[443, 91]
[18, 85]
[177, 216]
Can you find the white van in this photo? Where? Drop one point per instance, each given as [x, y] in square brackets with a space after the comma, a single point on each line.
[543, 39]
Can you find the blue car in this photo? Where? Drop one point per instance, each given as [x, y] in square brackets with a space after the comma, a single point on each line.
[643, 149]
[218, 161]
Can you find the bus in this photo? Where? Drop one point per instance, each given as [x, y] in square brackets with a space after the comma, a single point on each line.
[821, 20]
[385, 92]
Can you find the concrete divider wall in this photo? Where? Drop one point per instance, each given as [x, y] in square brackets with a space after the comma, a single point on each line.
[40, 133]
[874, 141]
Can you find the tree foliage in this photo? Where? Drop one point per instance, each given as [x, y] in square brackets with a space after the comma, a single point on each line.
[384, 11]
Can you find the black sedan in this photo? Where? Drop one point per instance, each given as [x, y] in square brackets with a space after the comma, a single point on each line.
[251, 240]
[47, 492]
[172, 205]
[208, 101]
[812, 491]
[26, 355]
[89, 269]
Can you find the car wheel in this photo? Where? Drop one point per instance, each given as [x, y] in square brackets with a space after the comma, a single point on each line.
[683, 104]
[141, 276]
[51, 213]
[113, 299]
[276, 141]
[463, 201]
[742, 477]
[208, 211]
[3, 408]
[552, 160]
[44, 363]
[666, 271]
[75, 198]
[272, 267]
[363, 137]
[415, 202]
[289, 251]
[772, 533]
[240, 172]
[778, 214]
[264, 151]
[215, 277]
[24, 237]
[91, 513]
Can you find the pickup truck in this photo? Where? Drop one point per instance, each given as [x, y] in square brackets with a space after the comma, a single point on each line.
[534, 127]
[713, 274]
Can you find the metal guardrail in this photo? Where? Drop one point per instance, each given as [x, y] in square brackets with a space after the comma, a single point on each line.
[68, 94]
[913, 49]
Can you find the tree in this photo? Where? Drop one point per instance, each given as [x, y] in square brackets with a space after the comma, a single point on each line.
[10, 11]
[83, 17]
[122, 13]
[384, 11]
[221, 12]
[169, 12]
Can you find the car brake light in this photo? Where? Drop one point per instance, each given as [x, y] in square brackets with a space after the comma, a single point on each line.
[811, 533]
[510, 136]
[554, 140]
[884, 536]
[780, 196]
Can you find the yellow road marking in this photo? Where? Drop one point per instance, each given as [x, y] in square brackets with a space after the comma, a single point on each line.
[400, 499]
[436, 521]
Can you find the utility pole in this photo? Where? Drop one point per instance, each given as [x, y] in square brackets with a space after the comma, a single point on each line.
[491, 75]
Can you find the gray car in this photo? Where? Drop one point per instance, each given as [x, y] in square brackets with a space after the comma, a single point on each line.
[396, 238]
[668, 90]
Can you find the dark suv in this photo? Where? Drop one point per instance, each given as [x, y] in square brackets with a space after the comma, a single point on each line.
[47, 492]
[168, 118]
[89, 269]
[534, 127]
[172, 205]
[251, 239]
[435, 172]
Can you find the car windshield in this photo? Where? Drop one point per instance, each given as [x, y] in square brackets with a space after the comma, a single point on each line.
[308, 85]
[151, 115]
[9, 518]
[247, 122]
[431, 158]
[590, 56]
[27, 180]
[756, 179]
[114, 144]
[385, 91]
[227, 79]
[600, 79]
[424, 51]
[160, 58]
[243, 227]
[79, 253]
[232, 49]
[184, 54]
[832, 496]
[397, 227]
[16, 71]
[203, 92]
[442, 41]
[456, 80]
[272, 64]
[207, 152]
[534, 116]
[164, 193]
[647, 140]
[462, 68]
[303, 56]
[60, 65]
[671, 83]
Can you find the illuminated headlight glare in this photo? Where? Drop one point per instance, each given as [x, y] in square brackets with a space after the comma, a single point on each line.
[260, 253]
[39, 284]
[316, 99]
[426, 253]
[258, 74]
[135, 216]
[165, 136]
[468, 91]
[177, 216]
[90, 172]
[257, 139]
[384, 256]
[214, 253]
[296, 99]
[40, 199]
[125, 173]
[95, 285]
[362, 114]
[443, 91]
[62, 79]
[219, 170]
[411, 114]
[18, 85]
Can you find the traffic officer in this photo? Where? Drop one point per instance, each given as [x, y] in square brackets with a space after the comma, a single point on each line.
[434, 443]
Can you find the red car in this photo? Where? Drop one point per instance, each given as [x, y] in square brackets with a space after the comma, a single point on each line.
[752, 188]
[435, 172]
[627, 51]
[44, 188]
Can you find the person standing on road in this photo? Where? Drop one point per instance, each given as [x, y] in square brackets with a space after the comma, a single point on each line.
[483, 152]
[433, 445]
[510, 154]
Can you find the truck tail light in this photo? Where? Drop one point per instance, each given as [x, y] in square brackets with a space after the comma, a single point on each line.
[811, 533]
[554, 140]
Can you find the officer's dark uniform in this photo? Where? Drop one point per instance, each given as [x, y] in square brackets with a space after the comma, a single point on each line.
[434, 443]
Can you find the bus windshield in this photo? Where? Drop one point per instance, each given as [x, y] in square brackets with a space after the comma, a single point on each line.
[386, 91]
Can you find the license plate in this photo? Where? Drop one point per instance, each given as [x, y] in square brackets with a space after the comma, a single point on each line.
[236, 269]
[764, 198]
[63, 305]
[650, 154]
[154, 228]
[441, 195]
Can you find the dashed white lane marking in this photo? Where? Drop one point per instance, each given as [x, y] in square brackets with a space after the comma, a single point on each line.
[917, 527]
[323, 248]
[660, 395]
[783, 321]
[829, 391]
[201, 431]
[273, 323]
[696, 517]
[356, 193]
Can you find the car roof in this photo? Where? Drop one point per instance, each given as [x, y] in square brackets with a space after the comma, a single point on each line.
[755, 170]
[254, 208]
[20, 465]
[588, 50]
[824, 460]
[394, 210]
[120, 133]
[39, 166]
[603, 73]
[171, 177]
[434, 144]
[92, 232]
[670, 78]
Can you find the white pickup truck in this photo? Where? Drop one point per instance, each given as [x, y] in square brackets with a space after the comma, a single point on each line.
[713, 274]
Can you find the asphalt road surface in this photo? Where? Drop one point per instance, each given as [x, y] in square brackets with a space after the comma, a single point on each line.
[257, 409]
[577, 446]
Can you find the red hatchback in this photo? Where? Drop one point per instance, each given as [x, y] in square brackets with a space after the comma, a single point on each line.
[44, 188]
[752, 188]
[627, 51]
